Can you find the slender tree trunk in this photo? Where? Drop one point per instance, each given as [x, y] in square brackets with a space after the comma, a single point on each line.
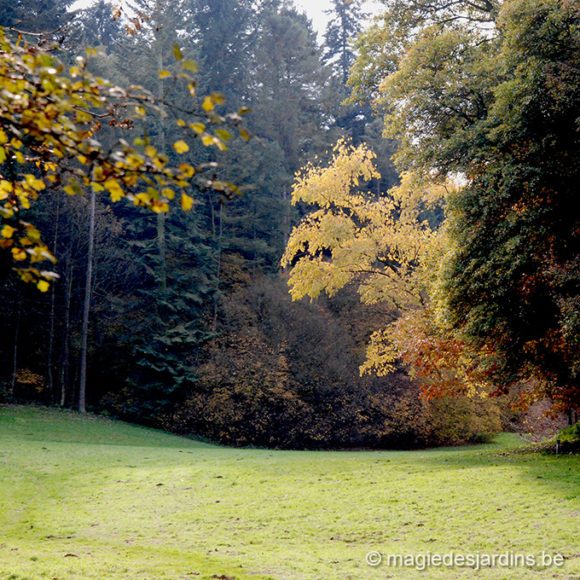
[286, 219]
[65, 364]
[50, 356]
[161, 241]
[254, 240]
[162, 248]
[15, 357]
[212, 215]
[216, 301]
[87, 307]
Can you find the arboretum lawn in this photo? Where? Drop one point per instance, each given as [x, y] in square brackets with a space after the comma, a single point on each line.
[93, 498]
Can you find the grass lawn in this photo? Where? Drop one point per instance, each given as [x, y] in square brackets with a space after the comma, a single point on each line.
[92, 498]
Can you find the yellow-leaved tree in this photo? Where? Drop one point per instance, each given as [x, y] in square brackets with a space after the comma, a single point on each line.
[50, 116]
[355, 236]
[389, 246]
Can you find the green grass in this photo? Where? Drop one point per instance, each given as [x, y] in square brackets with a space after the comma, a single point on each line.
[92, 498]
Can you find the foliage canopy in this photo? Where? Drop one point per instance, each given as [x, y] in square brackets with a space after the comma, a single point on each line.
[50, 116]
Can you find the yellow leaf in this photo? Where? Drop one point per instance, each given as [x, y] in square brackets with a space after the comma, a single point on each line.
[199, 128]
[186, 202]
[43, 286]
[208, 140]
[142, 199]
[18, 254]
[36, 184]
[164, 74]
[190, 65]
[223, 134]
[181, 147]
[97, 187]
[159, 207]
[208, 104]
[116, 191]
[186, 170]
[32, 233]
[83, 117]
[177, 52]
[6, 186]
[7, 231]
[72, 189]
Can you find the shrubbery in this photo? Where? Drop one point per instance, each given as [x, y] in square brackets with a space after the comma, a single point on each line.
[569, 439]
[287, 375]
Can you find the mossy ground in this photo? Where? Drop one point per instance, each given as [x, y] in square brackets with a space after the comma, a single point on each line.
[84, 497]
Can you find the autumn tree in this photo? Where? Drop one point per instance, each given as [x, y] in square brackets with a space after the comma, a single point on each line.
[512, 280]
[461, 86]
[48, 140]
[381, 47]
[386, 245]
[49, 143]
[456, 99]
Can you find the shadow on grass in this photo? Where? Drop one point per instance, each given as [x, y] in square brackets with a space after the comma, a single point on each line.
[33, 423]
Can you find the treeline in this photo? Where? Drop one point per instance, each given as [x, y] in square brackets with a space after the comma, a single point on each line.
[477, 247]
[184, 320]
[164, 288]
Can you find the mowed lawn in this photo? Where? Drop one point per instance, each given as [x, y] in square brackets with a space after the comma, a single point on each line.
[92, 498]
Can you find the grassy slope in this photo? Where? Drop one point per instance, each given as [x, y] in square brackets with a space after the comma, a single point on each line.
[90, 498]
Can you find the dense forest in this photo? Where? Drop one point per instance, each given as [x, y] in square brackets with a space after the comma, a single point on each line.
[215, 222]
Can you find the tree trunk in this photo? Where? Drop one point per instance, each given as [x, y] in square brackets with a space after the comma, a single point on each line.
[15, 357]
[65, 362]
[161, 241]
[287, 217]
[87, 307]
[218, 269]
[50, 355]
[162, 249]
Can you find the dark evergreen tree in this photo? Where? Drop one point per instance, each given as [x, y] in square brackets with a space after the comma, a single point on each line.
[224, 35]
[95, 26]
[47, 16]
[288, 80]
[346, 18]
